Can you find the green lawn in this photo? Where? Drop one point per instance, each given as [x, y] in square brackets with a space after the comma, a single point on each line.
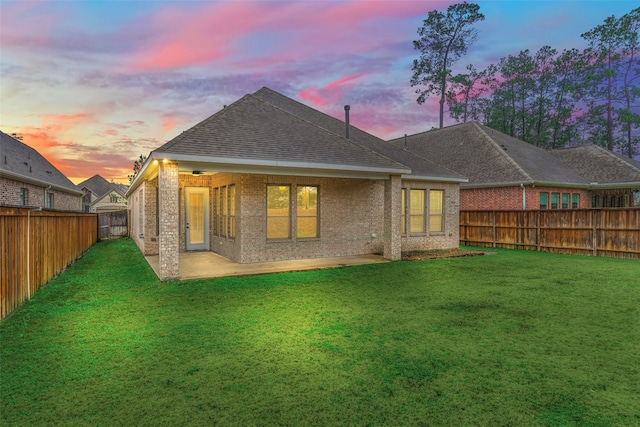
[518, 338]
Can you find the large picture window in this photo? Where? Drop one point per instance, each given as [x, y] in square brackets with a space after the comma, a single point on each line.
[416, 211]
[307, 211]
[436, 211]
[278, 211]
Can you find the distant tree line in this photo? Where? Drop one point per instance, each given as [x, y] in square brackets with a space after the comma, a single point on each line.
[548, 98]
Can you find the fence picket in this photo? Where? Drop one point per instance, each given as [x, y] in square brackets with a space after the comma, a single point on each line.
[598, 232]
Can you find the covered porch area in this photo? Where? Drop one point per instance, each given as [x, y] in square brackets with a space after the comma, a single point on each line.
[197, 265]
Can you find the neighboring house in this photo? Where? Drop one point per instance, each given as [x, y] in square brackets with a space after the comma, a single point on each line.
[615, 179]
[268, 178]
[28, 180]
[101, 195]
[506, 173]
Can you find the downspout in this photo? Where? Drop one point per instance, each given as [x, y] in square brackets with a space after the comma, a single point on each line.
[524, 197]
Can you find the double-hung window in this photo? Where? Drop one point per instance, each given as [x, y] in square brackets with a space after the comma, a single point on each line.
[307, 211]
[224, 211]
[565, 201]
[24, 196]
[416, 211]
[278, 211]
[575, 201]
[436, 211]
[555, 200]
[544, 200]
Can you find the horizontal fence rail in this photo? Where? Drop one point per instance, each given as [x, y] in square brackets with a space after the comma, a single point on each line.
[35, 246]
[599, 232]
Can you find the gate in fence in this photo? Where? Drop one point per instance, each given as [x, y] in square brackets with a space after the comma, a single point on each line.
[113, 225]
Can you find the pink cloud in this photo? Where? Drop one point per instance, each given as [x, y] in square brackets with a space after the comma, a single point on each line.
[219, 31]
[330, 93]
[168, 123]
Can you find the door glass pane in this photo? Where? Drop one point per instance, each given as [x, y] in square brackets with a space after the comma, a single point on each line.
[196, 218]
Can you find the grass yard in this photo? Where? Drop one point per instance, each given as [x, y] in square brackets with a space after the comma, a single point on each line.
[517, 338]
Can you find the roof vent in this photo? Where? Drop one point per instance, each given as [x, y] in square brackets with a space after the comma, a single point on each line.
[346, 120]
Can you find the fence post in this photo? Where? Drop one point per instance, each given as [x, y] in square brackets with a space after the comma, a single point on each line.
[495, 237]
[594, 231]
[538, 236]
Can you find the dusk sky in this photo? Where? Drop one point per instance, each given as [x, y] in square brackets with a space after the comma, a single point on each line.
[92, 85]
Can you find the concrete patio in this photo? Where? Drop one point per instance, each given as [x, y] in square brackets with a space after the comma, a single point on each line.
[195, 265]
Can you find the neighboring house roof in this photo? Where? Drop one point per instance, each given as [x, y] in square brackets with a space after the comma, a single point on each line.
[420, 167]
[490, 158]
[598, 165]
[100, 186]
[22, 163]
[253, 132]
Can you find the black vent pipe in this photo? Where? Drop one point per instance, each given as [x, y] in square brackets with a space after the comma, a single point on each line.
[346, 119]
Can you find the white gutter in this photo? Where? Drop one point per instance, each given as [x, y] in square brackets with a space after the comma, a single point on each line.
[410, 177]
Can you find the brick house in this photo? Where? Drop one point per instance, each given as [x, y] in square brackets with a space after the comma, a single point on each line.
[268, 178]
[28, 180]
[101, 195]
[506, 173]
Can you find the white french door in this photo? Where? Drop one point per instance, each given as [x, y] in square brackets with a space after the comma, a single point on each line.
[197, 218]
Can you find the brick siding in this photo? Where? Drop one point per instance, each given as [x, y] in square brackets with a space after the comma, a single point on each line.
[62, 201]
[510, 198]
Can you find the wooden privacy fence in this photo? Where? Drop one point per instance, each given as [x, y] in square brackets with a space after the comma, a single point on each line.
[37, 245]
[113, 225]
[599, 232]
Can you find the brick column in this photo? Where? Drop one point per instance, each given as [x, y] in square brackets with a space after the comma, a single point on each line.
[168, 218]
[392, 200]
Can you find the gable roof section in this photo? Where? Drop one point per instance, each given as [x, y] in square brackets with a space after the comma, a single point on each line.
[100, 186]
[22, 163]
[251, 131]
[597, 165]
[420, 166]
[490, 158]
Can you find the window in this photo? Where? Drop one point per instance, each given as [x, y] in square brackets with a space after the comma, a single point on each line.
[307, 211]
[278, 211]
[554, 200]
[24, 197]
[544, 200]
[575, 201]
[416, 211]
[224, 211]
[48, 200]
[403, 211]
[565, 201]
[436, 209]
[232, 211]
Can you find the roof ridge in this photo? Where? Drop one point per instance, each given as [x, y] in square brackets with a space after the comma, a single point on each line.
[501, 151]
[317, 111]
[327, 130]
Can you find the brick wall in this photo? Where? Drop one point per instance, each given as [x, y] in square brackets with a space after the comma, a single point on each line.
[510, 198]
[62, 201]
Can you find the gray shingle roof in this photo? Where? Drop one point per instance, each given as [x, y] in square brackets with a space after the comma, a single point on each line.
[100, 186]
[255, 130]
[487, 156]
[419, 165]
[22, 163]
[595, 164]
